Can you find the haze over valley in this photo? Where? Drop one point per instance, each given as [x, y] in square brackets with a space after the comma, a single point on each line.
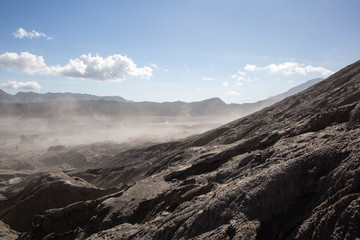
[31, 124]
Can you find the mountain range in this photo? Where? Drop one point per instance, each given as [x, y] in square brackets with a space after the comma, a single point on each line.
[30, 104]
[26, 97]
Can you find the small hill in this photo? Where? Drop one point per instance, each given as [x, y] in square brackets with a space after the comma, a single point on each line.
[6, 98]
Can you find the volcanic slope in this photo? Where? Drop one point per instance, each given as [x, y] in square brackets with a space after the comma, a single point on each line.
[289, 171]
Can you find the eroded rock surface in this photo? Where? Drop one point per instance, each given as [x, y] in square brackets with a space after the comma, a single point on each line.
[6, 233]
[41, 192]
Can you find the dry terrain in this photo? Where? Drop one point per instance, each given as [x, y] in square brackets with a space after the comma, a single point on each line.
[289, 171]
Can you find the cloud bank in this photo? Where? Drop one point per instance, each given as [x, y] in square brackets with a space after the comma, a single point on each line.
[289, 68]
[22, 33]
[34, 86]
[111, 68]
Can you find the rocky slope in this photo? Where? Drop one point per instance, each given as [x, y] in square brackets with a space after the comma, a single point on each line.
[42, 192]
[289, 171]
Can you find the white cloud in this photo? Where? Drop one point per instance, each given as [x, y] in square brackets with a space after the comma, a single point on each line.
[285, 68]
[240, 73]
[233, 93]
[251, 68]
[21, 85]
[24, 62]
[289, 68]
[22, 33]
[240, 78]
[154, 66]
[157, 68]
[207, 79]
[239, 84]
[225, 84]
[111, 68]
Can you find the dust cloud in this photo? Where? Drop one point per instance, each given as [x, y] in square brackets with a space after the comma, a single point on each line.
[26, 142]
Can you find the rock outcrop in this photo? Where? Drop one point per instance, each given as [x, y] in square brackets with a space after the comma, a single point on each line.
[41, 192]
[6, 233]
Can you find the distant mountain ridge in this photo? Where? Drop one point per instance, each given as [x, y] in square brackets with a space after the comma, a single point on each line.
[5, 97]
[252, 107]
[27, 97]
[30, 104]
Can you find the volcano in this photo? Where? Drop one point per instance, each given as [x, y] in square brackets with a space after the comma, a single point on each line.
[288, 171]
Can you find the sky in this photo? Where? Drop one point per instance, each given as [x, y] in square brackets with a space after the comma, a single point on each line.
[167, 50]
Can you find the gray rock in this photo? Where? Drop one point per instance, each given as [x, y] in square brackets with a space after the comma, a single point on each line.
[6, 233]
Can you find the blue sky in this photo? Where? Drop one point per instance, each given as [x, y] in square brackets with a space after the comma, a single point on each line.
[188, 50]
